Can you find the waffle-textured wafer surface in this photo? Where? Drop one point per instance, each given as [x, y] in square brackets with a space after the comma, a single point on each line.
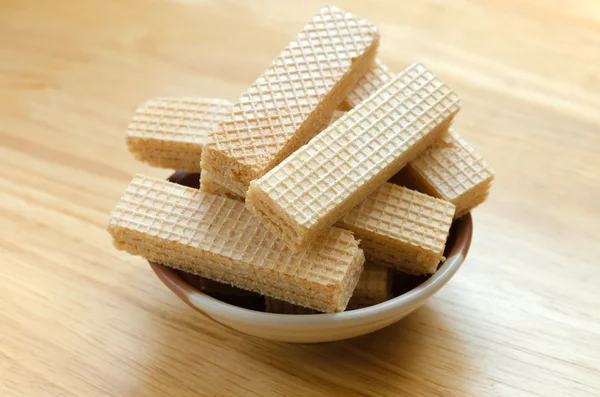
[451, 169]
[398, 227]
[378, 75]
[320, 182]
[215, 183]
[374, 286]
[216, 237]
[295, 97]
[184, 119]
[174, 130]
[402, 228]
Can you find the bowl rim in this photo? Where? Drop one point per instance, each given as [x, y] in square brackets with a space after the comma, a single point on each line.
[206, 304]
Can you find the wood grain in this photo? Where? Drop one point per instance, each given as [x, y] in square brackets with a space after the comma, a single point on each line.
[78, 318]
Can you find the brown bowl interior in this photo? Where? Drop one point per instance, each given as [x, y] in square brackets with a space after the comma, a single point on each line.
[185, 284]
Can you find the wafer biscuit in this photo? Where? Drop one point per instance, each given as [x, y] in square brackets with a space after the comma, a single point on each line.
[401, 228]
[320, 182]
[170, 132]
[451, 169]
[374, 286]
[215, 237]
[293, 99]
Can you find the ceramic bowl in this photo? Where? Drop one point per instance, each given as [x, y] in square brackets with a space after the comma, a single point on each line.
[311, 328]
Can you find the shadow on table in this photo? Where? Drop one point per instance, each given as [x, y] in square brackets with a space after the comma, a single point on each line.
[191, 355]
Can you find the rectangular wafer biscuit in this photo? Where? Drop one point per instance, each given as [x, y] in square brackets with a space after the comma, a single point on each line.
[217, 238]
[294, 98]
[452, 170]
[374, 286]
[170, 132]
[401, 228]
[323, 180]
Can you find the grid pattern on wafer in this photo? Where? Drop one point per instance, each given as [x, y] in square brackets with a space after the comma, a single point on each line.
[398, 215]
[216, 183]
[377, 76]
[224, 228]
[188, 120]
[374, 285]
[407, 258]
[279, 101]
[452, 167]
[320, 175]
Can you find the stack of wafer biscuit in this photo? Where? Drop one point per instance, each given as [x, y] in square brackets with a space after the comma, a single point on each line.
[291, 199]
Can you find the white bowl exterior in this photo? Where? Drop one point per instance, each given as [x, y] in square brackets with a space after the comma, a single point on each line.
[325, 329]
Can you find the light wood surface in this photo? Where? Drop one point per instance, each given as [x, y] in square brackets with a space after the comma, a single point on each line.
[78, 318]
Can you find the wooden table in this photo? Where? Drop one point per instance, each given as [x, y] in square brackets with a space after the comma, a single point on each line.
[78, 318]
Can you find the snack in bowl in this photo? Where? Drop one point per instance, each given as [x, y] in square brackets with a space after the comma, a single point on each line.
[291, 210]
[217, 238]
[450, 169]
[293, 99]
[401, 228]
[320, 182]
